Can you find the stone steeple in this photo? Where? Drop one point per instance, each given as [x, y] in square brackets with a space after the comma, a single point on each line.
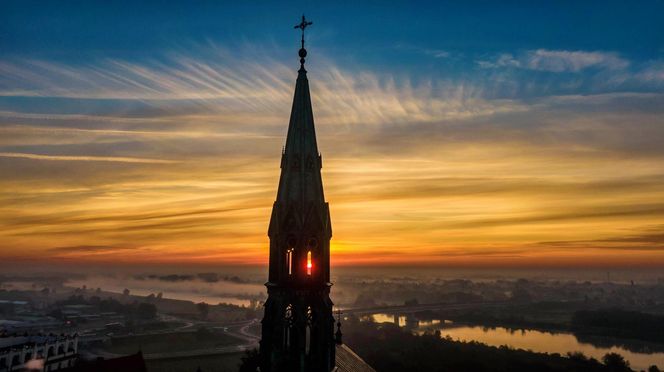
[300, 182]
[298, 326]
[301, 163]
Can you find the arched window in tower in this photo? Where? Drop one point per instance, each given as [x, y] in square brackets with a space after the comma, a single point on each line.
[309, 264]
[290, 255]
[289, 260]
[288, 329]
[307, 344]
[311, 244]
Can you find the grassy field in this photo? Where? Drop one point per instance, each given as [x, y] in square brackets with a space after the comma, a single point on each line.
[168, 342]
[210, 363]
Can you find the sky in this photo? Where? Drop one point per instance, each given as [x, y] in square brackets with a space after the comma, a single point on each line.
[474, 133]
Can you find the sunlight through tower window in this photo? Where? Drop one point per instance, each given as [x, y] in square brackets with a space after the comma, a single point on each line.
[309, 265]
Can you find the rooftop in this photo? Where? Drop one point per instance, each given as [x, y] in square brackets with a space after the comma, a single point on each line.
[347, 361]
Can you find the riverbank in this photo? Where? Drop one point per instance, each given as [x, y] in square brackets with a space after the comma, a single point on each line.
[389, 348]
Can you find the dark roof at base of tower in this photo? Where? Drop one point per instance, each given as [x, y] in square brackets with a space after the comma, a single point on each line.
[128, 363]
[347, 361]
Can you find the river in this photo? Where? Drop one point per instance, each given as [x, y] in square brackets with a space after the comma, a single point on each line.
[535, 340]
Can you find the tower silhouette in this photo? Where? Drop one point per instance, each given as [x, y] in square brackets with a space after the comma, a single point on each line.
[298, 325]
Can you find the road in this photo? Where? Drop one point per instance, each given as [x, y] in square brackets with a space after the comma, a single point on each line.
[248, 341]
[239, 330]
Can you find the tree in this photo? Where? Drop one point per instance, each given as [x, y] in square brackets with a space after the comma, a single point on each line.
[203, 309]
[577, 355]
[615, 362]
[146, 311]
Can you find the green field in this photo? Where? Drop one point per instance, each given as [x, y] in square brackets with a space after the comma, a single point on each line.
[169, 342]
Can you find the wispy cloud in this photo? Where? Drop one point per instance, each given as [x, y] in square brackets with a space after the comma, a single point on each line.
[558, 60]
[118, 159]
[87, 249]
[226, 85]
[437, 53]
[503, 60]
[179, 157]
[431, 52]
[654, 72]
[574, 61]
[8, 115]
[646, 240]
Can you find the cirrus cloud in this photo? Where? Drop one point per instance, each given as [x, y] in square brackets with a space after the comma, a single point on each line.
[558, 60]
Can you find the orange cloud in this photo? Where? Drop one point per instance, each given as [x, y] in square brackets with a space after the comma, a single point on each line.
[428, 174]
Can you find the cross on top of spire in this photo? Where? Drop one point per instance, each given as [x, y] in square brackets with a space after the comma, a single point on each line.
[302, 26]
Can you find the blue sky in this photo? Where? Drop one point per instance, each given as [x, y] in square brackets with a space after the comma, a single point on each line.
[422, 40]
[500, 131]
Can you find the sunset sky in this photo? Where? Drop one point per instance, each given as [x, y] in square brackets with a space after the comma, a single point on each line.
[468, 133]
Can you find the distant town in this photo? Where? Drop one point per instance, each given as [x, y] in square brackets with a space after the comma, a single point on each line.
[91, 323]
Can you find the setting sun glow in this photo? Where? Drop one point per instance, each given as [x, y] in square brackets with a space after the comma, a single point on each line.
[471, 153]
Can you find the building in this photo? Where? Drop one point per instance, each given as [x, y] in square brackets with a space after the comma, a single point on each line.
[127, 363]
[38, 352]
[298, 328]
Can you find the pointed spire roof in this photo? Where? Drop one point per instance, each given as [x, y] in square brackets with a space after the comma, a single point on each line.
[301, 163]
[300, 199]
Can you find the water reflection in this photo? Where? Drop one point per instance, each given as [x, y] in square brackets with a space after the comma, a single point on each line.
[388, 318]
[561, 343]
[406, 321]
[534, 340]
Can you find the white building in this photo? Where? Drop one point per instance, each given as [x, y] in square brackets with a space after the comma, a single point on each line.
[38, 353]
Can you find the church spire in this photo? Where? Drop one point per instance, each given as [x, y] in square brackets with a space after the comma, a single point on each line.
[300, 182]
[298, 326]
[300, 204]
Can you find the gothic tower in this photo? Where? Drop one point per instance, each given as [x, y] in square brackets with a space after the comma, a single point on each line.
[298, 325]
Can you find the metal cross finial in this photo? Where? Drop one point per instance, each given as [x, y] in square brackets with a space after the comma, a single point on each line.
[302, 26]
[303, 52]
